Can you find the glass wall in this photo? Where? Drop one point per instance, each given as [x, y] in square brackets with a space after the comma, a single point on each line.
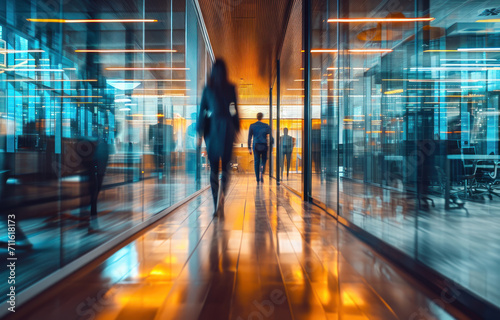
[274, 112]
[405, 127]
[326, 93]
[98, 109]
[292, 102]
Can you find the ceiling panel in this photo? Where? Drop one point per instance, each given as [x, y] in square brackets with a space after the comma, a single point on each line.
[247, 34]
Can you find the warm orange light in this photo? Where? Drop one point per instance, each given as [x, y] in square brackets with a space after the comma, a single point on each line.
[324, 50]
[91, 20]
[162, 89]
[151, 80]
[351, 50]
[126, 50]
[370, 50]
[490, 20]
[334, 68]
[394, 91]
[358, 20]
[145, 68]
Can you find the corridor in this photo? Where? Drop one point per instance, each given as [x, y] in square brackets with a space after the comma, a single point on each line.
[271, 256]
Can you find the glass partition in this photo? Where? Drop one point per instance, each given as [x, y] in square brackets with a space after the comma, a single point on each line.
[274, 127]
[325, 93]
[406, 124]
[98, 109]
[292, 102]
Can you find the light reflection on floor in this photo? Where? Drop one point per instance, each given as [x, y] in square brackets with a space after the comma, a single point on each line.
[461, 244]
[271, 256]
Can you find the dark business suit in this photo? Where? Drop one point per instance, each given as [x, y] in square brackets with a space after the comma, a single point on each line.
[219, 123]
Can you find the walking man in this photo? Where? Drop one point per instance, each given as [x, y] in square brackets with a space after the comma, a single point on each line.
[259, 131]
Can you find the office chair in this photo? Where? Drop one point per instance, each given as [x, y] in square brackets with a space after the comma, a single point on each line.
[487, 179]
[454, 201]
[468, 175]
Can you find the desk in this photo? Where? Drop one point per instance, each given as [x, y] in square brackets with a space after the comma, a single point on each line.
[472, 157]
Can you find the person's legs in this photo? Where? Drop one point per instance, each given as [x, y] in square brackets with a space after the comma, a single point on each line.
[214, 179]
[226, 159]
[288, 163]
[282, 162]
[263, 164]
[256, 162]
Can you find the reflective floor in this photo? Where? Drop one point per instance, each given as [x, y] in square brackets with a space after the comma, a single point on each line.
[270, 256]
[60, 231]
[449, 241]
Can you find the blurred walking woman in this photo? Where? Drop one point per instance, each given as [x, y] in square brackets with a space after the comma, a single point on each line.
[218, 123]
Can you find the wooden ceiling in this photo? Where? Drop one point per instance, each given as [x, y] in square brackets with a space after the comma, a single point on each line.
[247, 34]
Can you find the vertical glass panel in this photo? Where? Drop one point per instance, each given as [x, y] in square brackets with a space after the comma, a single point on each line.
[458, 74]
[276, 169]
[378, 187]
[324, 104]
[292, 102]
[418, 131]
[97, 122]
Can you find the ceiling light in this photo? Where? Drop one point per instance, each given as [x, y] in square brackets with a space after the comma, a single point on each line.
[364, 69]
[50, 80]
[46, 70]
[91, 20]
[394, 91]
[2, 51]
[490, 20]
[123, 100]
[479, 49]
[126, 50]
[153, 80]
[433, 50]
[163, 89]
[370, 50]
[468, 59]
[159, 96]
[351, 50]
[469, 65]
[356, 20]
[324, 50]
[123, 85]
[145, 68]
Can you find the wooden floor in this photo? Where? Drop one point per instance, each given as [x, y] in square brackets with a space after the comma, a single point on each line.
[271, 256]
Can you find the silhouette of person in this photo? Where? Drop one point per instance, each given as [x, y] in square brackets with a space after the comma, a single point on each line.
[94, 170]
[286, 146]
[218, 122]
[259, 132]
